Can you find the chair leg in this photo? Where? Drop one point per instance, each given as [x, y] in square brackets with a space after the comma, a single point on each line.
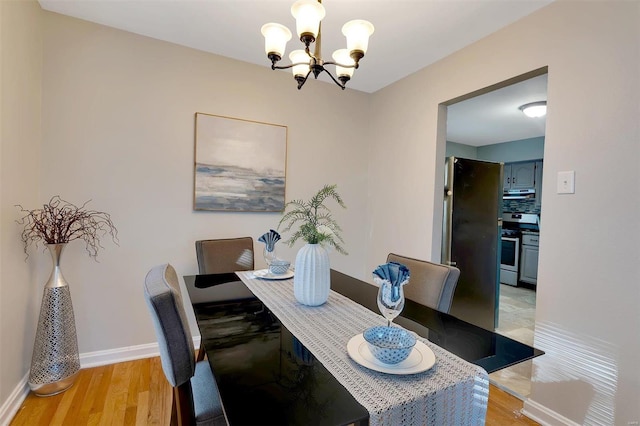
[183, 402]
[201, 353]
[174, 409]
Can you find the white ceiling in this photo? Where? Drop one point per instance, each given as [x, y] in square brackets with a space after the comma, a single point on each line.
[495, 117]
[409, 34]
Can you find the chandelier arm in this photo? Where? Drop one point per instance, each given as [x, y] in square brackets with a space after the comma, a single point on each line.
[342, 86]
[341, 65]
[302, 81]
[284, 67]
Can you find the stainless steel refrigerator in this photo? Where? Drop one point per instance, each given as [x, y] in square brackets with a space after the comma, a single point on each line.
[471, 237]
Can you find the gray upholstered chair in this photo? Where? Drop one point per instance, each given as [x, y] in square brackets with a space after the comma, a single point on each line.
[431, 284]
[225, 255]
[196, 400]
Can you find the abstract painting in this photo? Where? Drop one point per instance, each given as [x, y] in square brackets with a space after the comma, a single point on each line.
[240, 165]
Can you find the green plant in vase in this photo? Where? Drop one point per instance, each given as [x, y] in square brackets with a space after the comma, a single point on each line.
[317, 227]
[316, 224]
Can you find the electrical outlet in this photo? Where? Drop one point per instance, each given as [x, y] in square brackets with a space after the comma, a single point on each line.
[566, 182]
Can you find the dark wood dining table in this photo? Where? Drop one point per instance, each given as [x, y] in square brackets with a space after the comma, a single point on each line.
[268, 377]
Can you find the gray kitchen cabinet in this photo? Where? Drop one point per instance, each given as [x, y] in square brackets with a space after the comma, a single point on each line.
[520, 175]
[506, 173]
[529, 259]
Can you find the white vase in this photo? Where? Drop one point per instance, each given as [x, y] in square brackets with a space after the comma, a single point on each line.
[311, 282]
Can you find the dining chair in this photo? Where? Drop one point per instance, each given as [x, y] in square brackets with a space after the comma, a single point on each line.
[431, 284]
[196, 400]
[221, 256]
[224, 256]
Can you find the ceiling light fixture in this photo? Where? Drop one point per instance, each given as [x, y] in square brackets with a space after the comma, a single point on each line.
[535, 109]
[309, 14]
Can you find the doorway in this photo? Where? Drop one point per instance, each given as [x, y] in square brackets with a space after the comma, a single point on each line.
[490, 126]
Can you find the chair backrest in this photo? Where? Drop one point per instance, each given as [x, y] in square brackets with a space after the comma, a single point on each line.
[225, 255]
[430, 284]
[162, 293]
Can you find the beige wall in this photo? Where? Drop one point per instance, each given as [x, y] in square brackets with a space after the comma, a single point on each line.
[587, 316]
[118, 129]
[20, 117]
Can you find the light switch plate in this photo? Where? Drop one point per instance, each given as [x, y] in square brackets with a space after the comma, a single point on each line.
[567, 182]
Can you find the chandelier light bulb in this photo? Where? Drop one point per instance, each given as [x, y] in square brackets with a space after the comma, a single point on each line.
[276, 37]
[298, 56]
[341, 56]
[308, 14]
[357, 33]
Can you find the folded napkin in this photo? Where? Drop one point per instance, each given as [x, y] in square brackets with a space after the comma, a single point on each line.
[393, 273]
[270, 239]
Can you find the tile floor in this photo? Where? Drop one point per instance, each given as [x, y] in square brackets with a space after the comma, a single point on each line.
[516, 320]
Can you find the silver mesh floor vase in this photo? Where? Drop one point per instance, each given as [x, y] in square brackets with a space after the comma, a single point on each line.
[55, 363]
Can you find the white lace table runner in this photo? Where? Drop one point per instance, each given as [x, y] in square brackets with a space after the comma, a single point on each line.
[452, 392]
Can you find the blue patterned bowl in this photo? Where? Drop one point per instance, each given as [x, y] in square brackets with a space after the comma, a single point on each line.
[390, 345]
[279, 267]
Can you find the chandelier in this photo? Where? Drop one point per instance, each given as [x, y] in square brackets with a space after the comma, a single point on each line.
[309, 14]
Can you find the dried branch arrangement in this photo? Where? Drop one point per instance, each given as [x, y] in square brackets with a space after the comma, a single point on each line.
[61, 222]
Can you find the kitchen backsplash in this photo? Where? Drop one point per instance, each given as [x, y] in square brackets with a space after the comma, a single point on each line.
[527, 205]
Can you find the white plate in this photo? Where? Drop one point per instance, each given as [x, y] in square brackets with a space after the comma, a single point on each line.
[266, 275]
[420, 359]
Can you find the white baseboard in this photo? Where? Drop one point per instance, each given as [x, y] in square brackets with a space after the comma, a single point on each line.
[127, 353]
[545, 416]
[112, 356]
[87, 360]
[11, 406]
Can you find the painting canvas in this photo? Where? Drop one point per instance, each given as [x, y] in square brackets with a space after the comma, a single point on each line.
[240, 165]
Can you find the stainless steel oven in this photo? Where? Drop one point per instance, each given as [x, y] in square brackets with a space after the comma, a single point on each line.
[512, 226]
[509, 260]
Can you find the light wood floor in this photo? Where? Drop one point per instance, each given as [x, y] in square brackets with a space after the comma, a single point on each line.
[517, 321]
[137, 393]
